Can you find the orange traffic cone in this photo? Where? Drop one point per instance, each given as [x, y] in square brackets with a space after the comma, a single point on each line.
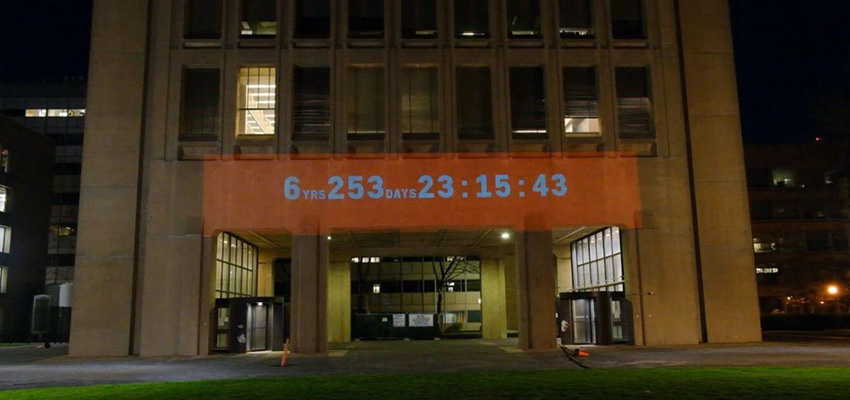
[285, 352]
[582, 353]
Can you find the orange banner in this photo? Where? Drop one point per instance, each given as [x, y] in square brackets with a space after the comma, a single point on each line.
[317, 196]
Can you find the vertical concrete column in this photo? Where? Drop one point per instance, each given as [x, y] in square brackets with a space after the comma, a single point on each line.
[339, 301]
[511, 293]
[109, 191]
[724, 249]
[493, 303]
[309, 294]
[536, 270]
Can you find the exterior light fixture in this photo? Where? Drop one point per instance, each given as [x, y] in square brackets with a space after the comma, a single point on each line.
[506, 235]
[832, 289]
[329, 237]
[260, 304]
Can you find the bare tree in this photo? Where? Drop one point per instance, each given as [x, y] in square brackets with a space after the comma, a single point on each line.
[446, 270]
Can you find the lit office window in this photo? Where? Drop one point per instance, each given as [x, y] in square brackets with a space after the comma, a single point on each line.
[420, 104]
[418, 19]
[4, 277]
[581, 106]
[366, 19]
[576, 19]
[312, 19]
[5, 239]
[634, 105]
[312, 106]
[528, 103]
[597, 262]
[203, 19]
[257, 98]
[472, 18]
[365, 103]
[77, 112]
[474, 104]
[200, 115]
[259, 18]
[57, 113]
[523, 18]
[4, 198]
[627, 19]
[236, 267]
[36, 113]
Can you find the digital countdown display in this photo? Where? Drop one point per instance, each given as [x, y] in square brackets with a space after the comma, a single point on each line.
[320, 195]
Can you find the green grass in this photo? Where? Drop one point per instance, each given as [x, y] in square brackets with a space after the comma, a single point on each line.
[661, 383]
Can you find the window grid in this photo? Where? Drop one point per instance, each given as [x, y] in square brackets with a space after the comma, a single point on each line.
[581, 102]
[236, 267]
[420, 104]
[257, 100]
[597, 262]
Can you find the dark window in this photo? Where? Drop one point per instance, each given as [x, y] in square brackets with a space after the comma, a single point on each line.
[312, 19]
[523, 18]
[473, 285]
[366, 18]
[627, 19]
[474, 104]
[200, 116]
[634, 106]
[759, 177]
[817, 241]
[761, 210]
[472, 18]
[418, 19]
[312, 108]
[581, 105]
[365, 103]
[419, 104]
[203, 19]
[259, 18]
[528, 103]
[473, 316]
[412, 286]
[576, 19]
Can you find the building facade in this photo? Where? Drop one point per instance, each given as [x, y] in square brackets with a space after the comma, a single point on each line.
[197, 108]
[26, 171]
[801, 227]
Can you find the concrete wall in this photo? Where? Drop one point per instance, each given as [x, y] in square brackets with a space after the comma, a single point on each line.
[493, 304]
[339, 301]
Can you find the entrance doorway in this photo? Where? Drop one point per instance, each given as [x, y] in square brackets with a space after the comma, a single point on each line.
[601, 318]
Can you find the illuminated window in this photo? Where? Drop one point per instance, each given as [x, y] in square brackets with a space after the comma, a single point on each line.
[257, 98]
[259, 18]
[420, 104]
[203, 19]
[4, 160]
[4, 198]
[418, 19]
[366, 18]
[36, 113]
[581, 105]
[472, 18]
[366, 103]
[783, 177]
[634, 107]
[474, 104]
[5, 239]
[78, 112]
[770, 270]
[312, 106]
[627, 19]
[523, 18]
[376, 288]
[597, 262]
[60, 113]
[4, 277]
[200, 115]
[760, 246]
[236, 267]
[312, 19]
[576, 19]
[528, 103]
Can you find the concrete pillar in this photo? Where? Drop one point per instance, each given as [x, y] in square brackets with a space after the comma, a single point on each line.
[724, 250]
[109, 191]
[536, 270]
[511, 293]
[309, 294]
[339, 301]
[493, 303]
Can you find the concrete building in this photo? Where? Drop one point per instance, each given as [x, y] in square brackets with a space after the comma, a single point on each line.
[221, 133]
[26, 171]
[801, 226]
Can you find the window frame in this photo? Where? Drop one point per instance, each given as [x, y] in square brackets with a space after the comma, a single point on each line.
[241, 111]
[598, 98]
[643, 22]
[187, 22]
[650, 109]
[242, 20]
[184, 135]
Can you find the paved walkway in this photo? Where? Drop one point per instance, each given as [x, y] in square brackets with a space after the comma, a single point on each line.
[25, 367]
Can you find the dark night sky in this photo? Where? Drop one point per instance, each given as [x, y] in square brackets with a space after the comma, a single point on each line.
[788, 52]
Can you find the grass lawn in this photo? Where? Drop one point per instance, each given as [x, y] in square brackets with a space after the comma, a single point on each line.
[661, 383]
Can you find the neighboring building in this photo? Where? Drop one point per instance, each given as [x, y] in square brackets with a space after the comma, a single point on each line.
[55, 108]
[801, 226]
[26, 171]
[206, 116]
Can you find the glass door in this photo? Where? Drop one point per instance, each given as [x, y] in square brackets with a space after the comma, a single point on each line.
[259, 324]
[584, 321]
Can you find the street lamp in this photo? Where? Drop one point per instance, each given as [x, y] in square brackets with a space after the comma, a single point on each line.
[832, 290]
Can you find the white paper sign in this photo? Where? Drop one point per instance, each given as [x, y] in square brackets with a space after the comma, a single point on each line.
[421, 320]
[399, 321]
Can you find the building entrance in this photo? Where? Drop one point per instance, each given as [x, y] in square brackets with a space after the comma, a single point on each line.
[600, 318]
